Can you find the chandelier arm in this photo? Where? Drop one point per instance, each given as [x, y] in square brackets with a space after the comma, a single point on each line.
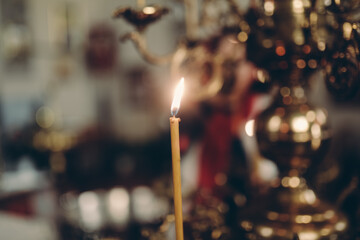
[140, 44]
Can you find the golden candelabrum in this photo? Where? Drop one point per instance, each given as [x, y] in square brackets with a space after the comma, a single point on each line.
[288, 40]
[291, 40]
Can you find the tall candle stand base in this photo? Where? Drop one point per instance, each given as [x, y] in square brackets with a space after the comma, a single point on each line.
[296, 136]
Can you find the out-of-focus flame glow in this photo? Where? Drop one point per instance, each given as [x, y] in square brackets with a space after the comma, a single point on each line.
[265, 231]
[310, 116]
[303, 219]
[300, 124]
[316, 130]
[149, 10]
[89, 205]
[347, 30]
[310, 235]
[249, 128]
[285, 181]
[267, 170]
[340, 226]
[329, 214]
[294, 182]
[261, 77]
[146, 206]
[327, 3]
[298, 6]
[309, 196]
[119, 205]
[274, 124]
[269, 8]
[321, 116]
[179, 90]
[142, 202]
[88, 201]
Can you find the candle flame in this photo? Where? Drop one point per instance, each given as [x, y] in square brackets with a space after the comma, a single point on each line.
[179, 90]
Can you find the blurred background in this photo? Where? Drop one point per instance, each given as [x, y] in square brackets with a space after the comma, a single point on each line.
[85, 95]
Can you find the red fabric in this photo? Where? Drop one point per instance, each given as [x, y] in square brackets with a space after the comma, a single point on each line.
[19, 204]
[216, 146]
[215, 153]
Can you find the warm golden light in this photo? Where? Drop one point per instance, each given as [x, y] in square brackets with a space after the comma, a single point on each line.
[308, 196]
[329, 214]
[179, 90]
[310, 116]
[261, 76]
[285, 181]
[347, 30]
[298, 6]
[321, 116]
[175, 152]
[149, 10]
[303, 219]
[249, 127]
[118, 202]
[299, 124]
[321, 45]
[242, 36]
[294, 182]
[298, 37]
[340, 226]
[308, 235]
[274, 124]
[269, 8]
[316, 130]
[265, 231]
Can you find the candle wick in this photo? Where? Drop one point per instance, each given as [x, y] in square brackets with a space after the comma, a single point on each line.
[174, 111]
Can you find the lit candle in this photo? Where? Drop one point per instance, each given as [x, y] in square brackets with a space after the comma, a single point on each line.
[175, 149]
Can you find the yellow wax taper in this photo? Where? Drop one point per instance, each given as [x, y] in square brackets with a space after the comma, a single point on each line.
[175, 149]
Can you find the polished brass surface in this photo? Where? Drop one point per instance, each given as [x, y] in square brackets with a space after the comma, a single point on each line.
[295, 38]
[291, 210]
[348, 9]
[296, 136]
[292, 132]
[342, 68]
[141, 18]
